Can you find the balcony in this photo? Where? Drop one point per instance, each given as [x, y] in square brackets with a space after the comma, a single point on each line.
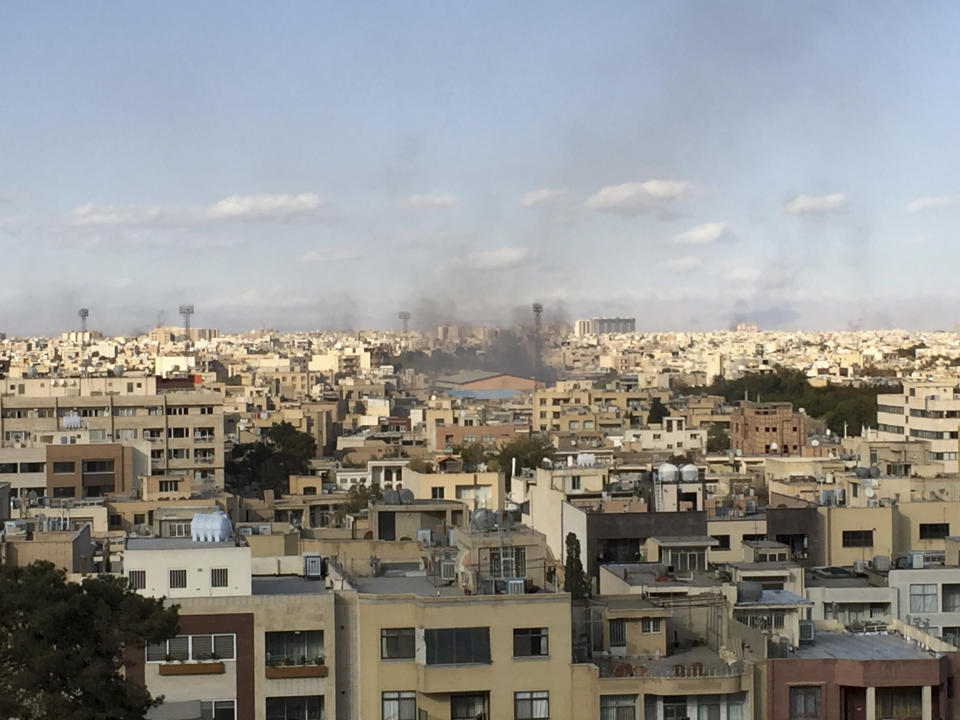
[697, 667]
[198, 668]
[278, 672]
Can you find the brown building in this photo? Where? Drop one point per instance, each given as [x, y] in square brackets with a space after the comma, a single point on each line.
[767, 428]
[450, 436]
[845, 676]
[80, 471]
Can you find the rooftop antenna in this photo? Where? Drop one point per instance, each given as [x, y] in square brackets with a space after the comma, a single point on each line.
[186, 311]
[405, 317]
[537, 313]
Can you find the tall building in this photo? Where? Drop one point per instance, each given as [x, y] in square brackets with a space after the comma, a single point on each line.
[767, 429]
[924, 411]
[605, 326]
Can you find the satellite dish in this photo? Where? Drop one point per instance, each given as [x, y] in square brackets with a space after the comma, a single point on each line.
[815, 443]
[874, 471]
[406, 496]
[391, 497]
[869, 492]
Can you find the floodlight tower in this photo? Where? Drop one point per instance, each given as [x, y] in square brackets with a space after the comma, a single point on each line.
[186, 311]
[537, 313]
[405, 317]
[83, 313]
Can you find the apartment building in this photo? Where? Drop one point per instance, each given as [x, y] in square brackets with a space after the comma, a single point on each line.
[74, 471]
[926, 410]
[184, 429]
[767, 429]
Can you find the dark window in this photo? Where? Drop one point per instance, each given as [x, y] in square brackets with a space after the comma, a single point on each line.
[64, 467]
[529, 642]
[178, 579]
[306, 707]
[468, 707]
[397, 643]
[451, 646]
[32, 467]
[858, 538]
[531, 705]
[934, 531]
[805, 703]
[137, 579]
[98, 466]
[64, 492]
[436, 493]
[400, 705]
[724, 542]
[8, 467]
[754, 538]
[291, 647]
[618, 633]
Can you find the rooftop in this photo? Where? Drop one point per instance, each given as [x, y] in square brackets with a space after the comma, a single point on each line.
[878, 646]
[286, 585]
[405, 579]
[698, 661]
[162, 543]
[775, 597]
[655, 574]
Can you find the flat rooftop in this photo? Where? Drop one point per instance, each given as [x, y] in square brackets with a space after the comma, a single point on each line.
[161, 543]
[286, 585]
[405, 579]
[654, 574]
[843, 646]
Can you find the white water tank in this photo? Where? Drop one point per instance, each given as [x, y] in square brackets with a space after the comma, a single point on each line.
[689, 473]
[668, 473]
[211, 527]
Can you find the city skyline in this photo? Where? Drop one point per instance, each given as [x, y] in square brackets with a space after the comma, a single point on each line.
[324, 166]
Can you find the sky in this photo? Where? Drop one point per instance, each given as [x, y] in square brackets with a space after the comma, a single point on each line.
[304, 165]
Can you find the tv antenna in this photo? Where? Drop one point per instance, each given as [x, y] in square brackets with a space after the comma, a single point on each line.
[186, 311]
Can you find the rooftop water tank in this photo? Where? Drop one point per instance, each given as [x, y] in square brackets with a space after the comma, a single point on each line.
[689, 473]
[211, 527]
[668, 473]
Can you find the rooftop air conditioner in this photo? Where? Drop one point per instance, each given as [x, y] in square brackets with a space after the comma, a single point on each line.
[806, 632]
[516, 587]
[448, 570]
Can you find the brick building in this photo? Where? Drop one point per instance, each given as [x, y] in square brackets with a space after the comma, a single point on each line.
[767, 429]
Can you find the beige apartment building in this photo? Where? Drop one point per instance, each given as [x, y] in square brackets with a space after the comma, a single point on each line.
[184, 429]
[925, 411]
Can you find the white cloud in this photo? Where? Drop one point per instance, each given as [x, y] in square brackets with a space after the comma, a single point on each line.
[544, 196]
[679, 264]
[741, 273]
[338, 253]
[430, 200]
[235, 208]
[266, 207]
[816, 204]
[930, 202]
[498, 258]
[637, 198]
[701, 234]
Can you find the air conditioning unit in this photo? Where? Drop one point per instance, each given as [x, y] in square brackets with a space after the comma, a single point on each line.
[806, 632]
[264, 529]
[245, 530]
[873, 502]
[916, 560]
[313, 566]
[487, 586]
[516, 587]
[448, 570]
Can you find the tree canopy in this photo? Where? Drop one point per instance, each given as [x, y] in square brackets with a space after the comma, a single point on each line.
[268, 464]
[658, 411]
[62, 643]
[529, 452]
[835, 404]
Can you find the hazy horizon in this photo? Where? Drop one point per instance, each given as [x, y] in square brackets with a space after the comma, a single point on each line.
[305, 165]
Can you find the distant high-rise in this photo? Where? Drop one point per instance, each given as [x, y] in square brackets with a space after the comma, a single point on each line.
[605, 326]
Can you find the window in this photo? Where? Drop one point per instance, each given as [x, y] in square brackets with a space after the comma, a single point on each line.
[397, 643]
[675, 707]
[206, 410]
[805, 703]
[858, 538]
[305, 707]
[923, 598]
[294, 647]
[193, 647]
[127, 434]
[178, 433]
[451, 646]
[928, 531]
[502, 567]
[9, 468]
[618, 633]
[899, 702]
[951, 598]
[218, 578]
[97, 466]
[684, 559]
[169, 485]
[436, 493]
[575, 482]
[760, 620]
[618, 707]
[178, 529]
[176, 411]
[178, 579]
[33, 467]
[137, 579]
[724, 542]
[754, 538]
[218, 709]
[531, 705]
[468, 707]
[529, 642]
[125, 411]
[67, 467]
[400, 705]
[650, 625]
[64, 492]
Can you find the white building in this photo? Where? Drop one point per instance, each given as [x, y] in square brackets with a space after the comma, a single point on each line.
[927, 411]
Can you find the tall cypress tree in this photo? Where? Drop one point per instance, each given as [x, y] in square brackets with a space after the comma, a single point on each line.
[575, 579]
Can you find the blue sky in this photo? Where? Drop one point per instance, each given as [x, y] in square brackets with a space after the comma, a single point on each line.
[303, 165]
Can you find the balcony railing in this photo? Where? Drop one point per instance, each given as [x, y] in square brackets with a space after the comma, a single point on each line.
[626, 667]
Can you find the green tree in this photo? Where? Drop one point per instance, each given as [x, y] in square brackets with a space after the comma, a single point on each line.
[62, 645]
[472, 454]
[530, 452]
[718, 439]
[658, 411]
[283, 451]
[359, 497]
[574, 578]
